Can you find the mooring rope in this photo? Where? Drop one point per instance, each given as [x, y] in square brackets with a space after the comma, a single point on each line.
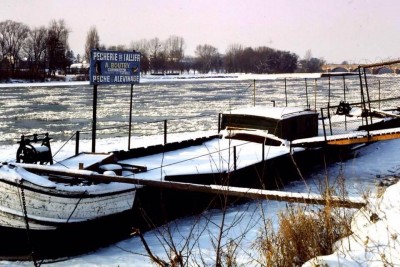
[76, 206]
[63, 145]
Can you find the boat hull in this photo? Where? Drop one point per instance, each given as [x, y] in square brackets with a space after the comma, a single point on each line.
[66, 240]
[28, 205]
[55, 220]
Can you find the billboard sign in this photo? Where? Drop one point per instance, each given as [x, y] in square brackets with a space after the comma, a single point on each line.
[114, 67]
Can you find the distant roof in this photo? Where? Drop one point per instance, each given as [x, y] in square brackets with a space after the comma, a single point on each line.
[80, 66]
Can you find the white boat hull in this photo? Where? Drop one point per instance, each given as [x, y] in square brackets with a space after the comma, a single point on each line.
[45, 208]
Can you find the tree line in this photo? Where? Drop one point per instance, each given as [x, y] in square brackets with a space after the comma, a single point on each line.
[41, 52]
[33, 53]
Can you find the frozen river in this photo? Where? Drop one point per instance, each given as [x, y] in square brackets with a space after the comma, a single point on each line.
[63, 109]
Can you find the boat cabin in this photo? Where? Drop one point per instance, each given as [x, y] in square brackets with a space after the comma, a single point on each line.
[288, 123]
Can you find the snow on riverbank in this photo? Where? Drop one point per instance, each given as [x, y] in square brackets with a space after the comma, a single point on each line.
[376, 236]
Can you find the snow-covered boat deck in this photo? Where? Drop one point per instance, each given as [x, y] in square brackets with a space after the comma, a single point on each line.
[355, 137]
[214, 156]
[86, 159]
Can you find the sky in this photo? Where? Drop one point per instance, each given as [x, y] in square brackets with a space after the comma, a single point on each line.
[357, 31]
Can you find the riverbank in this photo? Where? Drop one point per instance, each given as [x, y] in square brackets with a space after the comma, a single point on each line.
[375, 237]
[71, 79]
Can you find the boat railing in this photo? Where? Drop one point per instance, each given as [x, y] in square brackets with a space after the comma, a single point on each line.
[348, 117]
[378, 99]
[161, 129]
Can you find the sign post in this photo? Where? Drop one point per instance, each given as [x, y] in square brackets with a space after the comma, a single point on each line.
[130, 119]
[94, 119]
[112, 67]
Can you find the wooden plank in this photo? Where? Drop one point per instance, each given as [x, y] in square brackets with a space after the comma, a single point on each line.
[380, 64]
[211, 189]
[366, 139]
[385, 113]
[305, 198]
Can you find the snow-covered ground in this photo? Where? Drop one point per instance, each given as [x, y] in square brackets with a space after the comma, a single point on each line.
[373, 243]
[375, 240]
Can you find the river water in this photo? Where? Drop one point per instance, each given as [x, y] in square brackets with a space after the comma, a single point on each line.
[63, 109]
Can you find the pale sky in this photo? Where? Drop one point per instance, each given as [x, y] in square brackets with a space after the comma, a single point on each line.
[359, 31]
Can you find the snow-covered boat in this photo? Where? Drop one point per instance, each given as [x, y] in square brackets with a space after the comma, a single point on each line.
[251, 150]
[39, 208]
[37, 202]
[42, 200]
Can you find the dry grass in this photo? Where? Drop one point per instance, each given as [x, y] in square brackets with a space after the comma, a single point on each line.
[304, 232]
[302, 235]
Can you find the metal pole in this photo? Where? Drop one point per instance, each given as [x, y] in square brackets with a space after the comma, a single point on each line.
[344, 88]
[285, 93]
[344, 99]
[77, 142]
[165, 132]
[130, 118]
[254, 92]
[94, 118]
[315, 94]
[361, 91]
[263, 151]
[379, 94]
[364, 107]
[368, 99]
[308, 105]
[219, 122]
[329, 90]
[323, 123]
[234, 158]
[329, 117]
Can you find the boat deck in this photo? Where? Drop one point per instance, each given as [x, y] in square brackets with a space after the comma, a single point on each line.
[355, 137]
[86, 159]
[214, 156]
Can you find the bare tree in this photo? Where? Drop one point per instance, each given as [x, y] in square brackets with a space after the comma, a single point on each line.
[155, 46]
[92, 42]
[12, 38]
[308, 55]
[232, 58]
[57, 45]
[174, 48]
[207, 58]
[35, 47]
[143, 47]
[310, 63]
[157, 55]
